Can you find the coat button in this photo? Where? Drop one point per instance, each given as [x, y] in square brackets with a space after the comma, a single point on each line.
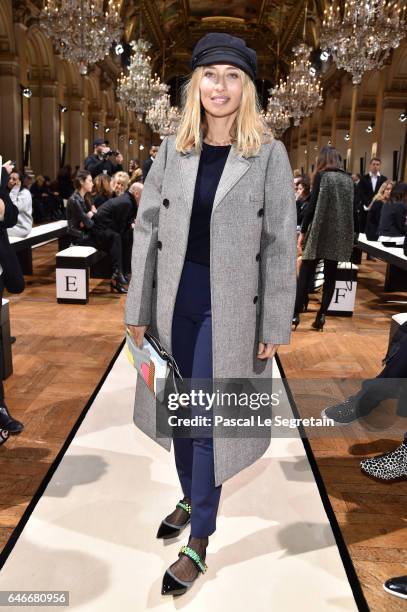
[260, 212]
[159, 245]
[258, 257]
[256, 297]
[166, 202]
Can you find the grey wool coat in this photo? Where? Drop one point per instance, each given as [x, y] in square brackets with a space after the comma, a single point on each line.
[330, 234]
[252, 296]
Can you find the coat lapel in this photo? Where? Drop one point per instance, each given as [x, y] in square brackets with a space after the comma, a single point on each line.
[235, 167]
[188, 166]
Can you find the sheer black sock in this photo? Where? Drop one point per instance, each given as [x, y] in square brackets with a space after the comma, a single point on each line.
[184, 568]
[179, 516]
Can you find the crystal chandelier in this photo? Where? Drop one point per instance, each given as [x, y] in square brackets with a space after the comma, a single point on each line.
[162, 117]
[360, 38]
[301, 92]
[138, 89]
[81, 29]
[276, 117]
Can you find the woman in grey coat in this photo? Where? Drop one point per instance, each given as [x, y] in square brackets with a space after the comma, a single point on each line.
[213, 272]
[327, 230]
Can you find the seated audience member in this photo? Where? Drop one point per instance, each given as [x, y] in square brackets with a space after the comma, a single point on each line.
[119, 214]
[392, 225]
[28, 180]
[303, 196]
[102, 189]
[65, 183]
[391, 383]
[119, 183]
[21, 197]
[356, 178]
[47, 211]
[102, 160]
[375, 208]
[136, 173]
[12, 279]
[81, 226]
[56, 206]
[40, 193]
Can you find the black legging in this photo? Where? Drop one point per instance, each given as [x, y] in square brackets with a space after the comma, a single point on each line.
[307, 272]
[105, 240]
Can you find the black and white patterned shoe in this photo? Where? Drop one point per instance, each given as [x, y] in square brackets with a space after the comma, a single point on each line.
[397, 586]
[389, 466]
[343, 413]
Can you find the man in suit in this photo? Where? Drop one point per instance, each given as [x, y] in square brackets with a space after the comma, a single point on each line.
[10, 277]
[118, 214]
[367, 188]
[148, 163]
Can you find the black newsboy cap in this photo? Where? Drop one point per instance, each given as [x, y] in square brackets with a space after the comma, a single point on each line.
[218, 47]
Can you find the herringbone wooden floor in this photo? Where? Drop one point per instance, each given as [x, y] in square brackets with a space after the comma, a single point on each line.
[62, 351]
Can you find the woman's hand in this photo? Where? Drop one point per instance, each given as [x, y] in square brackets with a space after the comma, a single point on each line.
[89, 214]
[267, 351]
[138, 331]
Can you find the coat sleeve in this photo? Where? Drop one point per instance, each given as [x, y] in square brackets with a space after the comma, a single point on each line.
[144, 254]
[279, 250]
[24, 201]
[10, 217]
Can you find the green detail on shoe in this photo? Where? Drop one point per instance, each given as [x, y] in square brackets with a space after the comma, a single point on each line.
[185, 506]
[190, 552]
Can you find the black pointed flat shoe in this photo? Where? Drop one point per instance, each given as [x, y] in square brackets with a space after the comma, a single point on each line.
[172, 585]
[168, 530]
[397, 586]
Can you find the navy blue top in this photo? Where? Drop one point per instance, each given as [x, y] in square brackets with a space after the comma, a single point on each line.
[211, 164]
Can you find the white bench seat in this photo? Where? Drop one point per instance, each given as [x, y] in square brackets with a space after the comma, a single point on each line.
[72, 273]
[396, 272]
[39, 235]
[40, 231]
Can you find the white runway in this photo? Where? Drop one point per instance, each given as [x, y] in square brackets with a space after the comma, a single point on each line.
[93, 531]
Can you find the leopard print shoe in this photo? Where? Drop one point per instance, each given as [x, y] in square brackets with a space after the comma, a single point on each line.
[389, 466]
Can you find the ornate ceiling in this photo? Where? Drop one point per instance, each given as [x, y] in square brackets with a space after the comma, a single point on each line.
[174, 26]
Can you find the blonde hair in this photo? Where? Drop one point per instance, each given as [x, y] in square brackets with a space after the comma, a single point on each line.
[120, 177]
[379, 195]
[248, 128]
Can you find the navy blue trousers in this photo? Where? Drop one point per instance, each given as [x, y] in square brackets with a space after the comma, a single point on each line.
[192, 350]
